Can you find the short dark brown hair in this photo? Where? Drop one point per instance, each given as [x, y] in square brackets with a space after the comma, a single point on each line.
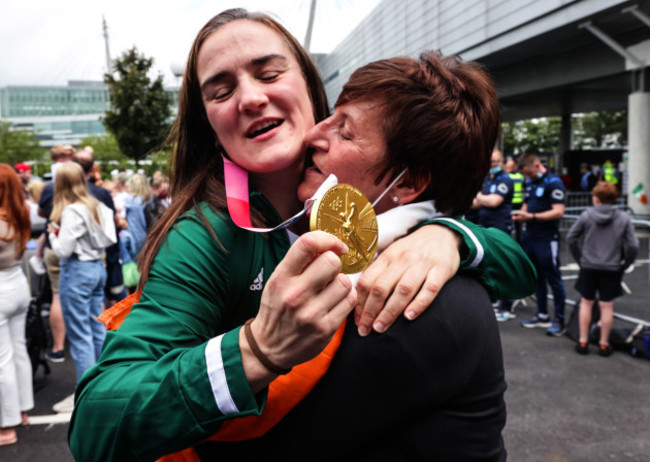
[440, 122]
[57, 152]
[606, 192]
[526, 160]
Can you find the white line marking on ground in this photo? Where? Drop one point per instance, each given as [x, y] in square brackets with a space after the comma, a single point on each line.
[49, 419]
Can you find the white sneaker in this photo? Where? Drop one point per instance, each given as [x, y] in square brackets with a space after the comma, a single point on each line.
[66, 405]
[503, 316]
[36, 264]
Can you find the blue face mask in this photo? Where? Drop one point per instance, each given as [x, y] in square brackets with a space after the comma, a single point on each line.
[495, 170]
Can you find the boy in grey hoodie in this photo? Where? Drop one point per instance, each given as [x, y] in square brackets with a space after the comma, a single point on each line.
[603, 243]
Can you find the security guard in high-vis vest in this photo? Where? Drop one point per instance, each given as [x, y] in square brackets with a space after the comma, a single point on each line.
[610, 174]
[542, 211]
[518, 181]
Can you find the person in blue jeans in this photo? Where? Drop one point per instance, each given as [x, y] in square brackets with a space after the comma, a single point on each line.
[542, 211]
[80, 229]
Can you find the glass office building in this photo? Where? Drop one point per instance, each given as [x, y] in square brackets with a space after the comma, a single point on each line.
[60, 114]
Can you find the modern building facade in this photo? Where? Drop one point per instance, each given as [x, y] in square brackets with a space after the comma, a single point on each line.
[60, 114]
[547, 57]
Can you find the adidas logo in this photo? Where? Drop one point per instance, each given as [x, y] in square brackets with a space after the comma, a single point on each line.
[258, 283]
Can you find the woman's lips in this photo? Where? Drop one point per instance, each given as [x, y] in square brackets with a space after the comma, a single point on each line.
[262, 127]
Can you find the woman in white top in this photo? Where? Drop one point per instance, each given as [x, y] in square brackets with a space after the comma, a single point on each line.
[80, 229]
[16, 393]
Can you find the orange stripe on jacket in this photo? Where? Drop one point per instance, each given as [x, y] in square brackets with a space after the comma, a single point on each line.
[115, 315]
[285, 392]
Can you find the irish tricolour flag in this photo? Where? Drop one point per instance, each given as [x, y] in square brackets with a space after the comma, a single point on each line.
[640, 194]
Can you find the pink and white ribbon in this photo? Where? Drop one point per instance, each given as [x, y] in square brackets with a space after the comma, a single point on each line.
[236, 181]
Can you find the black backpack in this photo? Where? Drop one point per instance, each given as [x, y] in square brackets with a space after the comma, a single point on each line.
[36, 336]
[37, 333]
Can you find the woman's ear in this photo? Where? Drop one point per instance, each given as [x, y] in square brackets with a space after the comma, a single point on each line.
[408, 190]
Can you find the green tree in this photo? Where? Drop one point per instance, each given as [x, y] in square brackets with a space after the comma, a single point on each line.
[19, 146]
[533, 135]
[160, 161]
[139, 109]
[606, 129]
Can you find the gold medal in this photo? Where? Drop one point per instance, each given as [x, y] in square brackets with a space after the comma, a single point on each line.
[347, 214]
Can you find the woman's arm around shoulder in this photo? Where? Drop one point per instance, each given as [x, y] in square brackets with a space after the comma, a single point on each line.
[408, 275]
[495, 259]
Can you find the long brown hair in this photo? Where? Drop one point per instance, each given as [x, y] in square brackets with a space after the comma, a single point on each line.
[196, 166]
[70, 188]
[440, 121]
[13, 209]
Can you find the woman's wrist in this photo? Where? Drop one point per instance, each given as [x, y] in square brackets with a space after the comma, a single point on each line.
[259, 354]
[257, 375]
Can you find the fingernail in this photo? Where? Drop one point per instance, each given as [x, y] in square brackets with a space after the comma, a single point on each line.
[379, 326]
[410, 315]
[363, 331]
[357, 318]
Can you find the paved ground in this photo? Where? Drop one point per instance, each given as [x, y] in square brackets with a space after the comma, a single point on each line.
[561, 406]
[567, 407]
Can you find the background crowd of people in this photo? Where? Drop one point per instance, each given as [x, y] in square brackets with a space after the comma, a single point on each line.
[602, 241]
[80, 241]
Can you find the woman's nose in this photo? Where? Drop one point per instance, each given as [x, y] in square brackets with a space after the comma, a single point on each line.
[316, 137]
[252, 96]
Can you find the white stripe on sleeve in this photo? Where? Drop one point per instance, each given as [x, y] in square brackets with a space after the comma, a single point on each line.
[480, 252]
[217, 376]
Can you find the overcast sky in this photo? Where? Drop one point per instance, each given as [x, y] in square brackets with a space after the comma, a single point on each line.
[48, 42]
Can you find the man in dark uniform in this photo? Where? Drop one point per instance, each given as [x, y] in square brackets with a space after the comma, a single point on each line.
[542, 211]
[494, 204]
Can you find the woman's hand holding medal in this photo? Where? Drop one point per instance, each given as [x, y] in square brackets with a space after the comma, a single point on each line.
[304, 302]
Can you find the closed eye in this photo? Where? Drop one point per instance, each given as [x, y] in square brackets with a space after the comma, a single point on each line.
[269, 76]
[345, 134]
[221, 93]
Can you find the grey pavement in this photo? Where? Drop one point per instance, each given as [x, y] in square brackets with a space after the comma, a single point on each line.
[566, 407]
[561, 406]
